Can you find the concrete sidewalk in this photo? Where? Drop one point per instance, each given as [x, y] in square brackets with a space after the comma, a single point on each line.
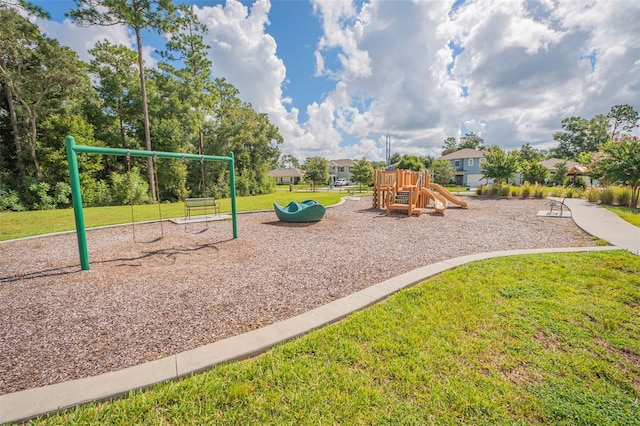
[602, 223]
[23, 405]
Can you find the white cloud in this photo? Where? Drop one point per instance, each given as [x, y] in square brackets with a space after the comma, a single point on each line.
[517, 68]
[82, 39]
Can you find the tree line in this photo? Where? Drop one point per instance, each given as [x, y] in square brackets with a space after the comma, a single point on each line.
[116, 101]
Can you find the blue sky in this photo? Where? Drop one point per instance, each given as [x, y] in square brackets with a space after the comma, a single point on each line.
[336, 76]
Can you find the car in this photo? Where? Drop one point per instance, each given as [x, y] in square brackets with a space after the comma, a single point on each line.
[341, 182]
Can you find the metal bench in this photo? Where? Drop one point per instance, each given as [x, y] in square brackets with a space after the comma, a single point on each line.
[556, 205]
[206, 204]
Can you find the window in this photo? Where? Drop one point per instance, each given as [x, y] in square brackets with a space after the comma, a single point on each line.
[456, 163]
[470, 162]
[341, 169]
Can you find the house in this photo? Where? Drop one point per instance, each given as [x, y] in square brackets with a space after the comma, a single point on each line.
[340, 169]
[574, 168]
[466, 163]
[551, 164]
[288, 176]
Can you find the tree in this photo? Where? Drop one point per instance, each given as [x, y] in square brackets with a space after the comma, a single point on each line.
[442, 171]
[622, 117]
[500, 165]
[114, 68]
[288, 161]
[187, 45]
[581, 135]
[17, 40]
[619, 161]
[409, 162]
[378, 165]
[316, 171]
[471, 141]
[533, 172]
[426, 161]
[394, 158]
[450, 145]
[362, 172]
[560, 173]
[139, 15]
[529, 153]
[43, 75]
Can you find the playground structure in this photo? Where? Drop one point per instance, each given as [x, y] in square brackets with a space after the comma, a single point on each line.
[410, 191]
[76, 193]
[306, 211]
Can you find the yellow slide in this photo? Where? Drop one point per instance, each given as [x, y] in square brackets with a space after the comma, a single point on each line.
[439, 202]
[446, 194]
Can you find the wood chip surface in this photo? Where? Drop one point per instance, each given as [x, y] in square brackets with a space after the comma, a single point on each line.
[152, 298]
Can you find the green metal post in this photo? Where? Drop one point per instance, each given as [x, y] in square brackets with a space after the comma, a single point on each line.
[232, 179]
[76, 197]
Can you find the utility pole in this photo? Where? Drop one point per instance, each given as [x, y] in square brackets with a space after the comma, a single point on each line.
[388, 144]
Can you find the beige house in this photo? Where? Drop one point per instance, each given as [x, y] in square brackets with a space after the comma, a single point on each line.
[292, 175]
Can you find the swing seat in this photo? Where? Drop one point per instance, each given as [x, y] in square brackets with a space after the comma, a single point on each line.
[200, 204]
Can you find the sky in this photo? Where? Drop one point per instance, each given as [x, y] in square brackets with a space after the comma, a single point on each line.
[338, 76]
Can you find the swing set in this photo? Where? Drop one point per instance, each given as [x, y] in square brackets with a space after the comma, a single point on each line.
[76, 195]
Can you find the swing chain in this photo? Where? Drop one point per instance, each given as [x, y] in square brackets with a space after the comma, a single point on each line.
[133, 226]
[155, 171]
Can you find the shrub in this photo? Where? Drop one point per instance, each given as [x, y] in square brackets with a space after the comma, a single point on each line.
[10, 200]
[480, 190]
[62, 194]
[526, 190]
[623, 197]
[95, 192]
[593, 195]
[38, 195]
[505, 190]
[494, 191]
[515, 191]
[607, 196]
[539, 191]
[129, 188]
[557, 191]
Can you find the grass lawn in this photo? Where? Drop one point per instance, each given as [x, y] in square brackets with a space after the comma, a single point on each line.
[25, 224]
[627, 213]
[544, 339]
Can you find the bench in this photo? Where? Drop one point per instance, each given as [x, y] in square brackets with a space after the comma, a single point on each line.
[200, 204]
[556, 205]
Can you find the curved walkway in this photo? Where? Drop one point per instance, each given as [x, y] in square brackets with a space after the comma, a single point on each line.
[30, 403]
[601, 223]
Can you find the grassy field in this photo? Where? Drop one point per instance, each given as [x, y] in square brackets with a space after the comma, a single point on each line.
[546, 339]
[627, 213]
[25, 224]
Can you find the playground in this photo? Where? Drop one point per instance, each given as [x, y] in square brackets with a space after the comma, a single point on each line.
[411, 191]
[156, 297]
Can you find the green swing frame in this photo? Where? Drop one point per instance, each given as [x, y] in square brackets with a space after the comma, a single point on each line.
[76, 193]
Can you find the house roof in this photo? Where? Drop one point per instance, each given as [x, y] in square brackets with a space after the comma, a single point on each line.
[464, 153]
[341, 163]
[290, 172]
[551, 163]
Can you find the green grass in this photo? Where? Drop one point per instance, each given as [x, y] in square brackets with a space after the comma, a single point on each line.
[627, 213]
[545, 339]
[25, 224]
